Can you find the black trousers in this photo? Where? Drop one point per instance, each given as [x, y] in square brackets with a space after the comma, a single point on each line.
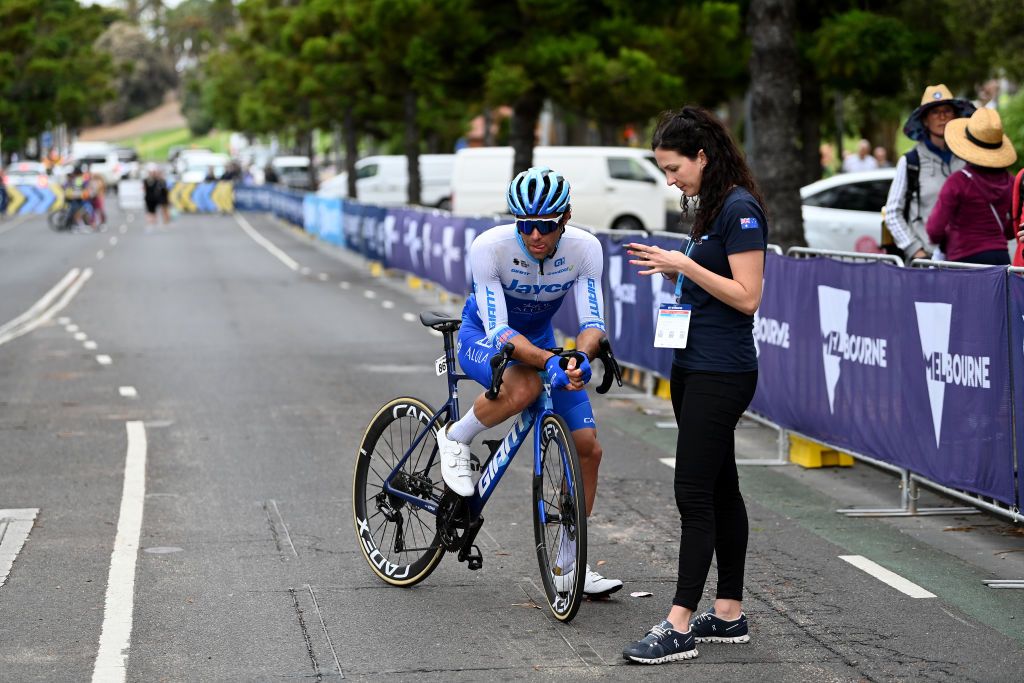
[713, 517]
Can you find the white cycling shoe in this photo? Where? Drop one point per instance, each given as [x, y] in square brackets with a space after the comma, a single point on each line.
[455, 466]
[594, 585]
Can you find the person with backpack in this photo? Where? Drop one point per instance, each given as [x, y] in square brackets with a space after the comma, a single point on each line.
[971, 219]
[921, 172]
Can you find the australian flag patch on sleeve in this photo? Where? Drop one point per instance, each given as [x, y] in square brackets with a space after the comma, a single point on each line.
[749, 224]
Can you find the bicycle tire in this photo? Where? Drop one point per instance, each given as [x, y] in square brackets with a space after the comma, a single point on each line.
[58, 220]
[383, 541]
[559, 507]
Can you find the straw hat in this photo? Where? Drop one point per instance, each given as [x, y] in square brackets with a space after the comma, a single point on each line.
[934, 95]
[979, 140]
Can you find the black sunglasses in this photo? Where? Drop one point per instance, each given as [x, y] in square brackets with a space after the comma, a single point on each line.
[545, 226]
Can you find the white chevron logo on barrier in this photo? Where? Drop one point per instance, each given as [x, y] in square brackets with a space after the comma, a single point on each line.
[833, 314]
[622, 293]
[942, 367]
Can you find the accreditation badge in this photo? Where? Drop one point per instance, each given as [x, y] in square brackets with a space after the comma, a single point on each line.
[673, 326]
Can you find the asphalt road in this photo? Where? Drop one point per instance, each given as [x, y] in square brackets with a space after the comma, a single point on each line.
[253, 382]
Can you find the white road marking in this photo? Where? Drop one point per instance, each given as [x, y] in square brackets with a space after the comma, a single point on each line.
[103, 359]
[33, 318]
[116, 634]
[435, 333]
[888, 577]
[409, 317]
[128, 392]
[81, 336]
[345, 285]
[14, 528]
[306, 270]
[71, 328]
[323, 277]
[124, 229]
[387, 304]
[370, 294]
[89, 345]
[671, 462]
[666, 425]
[113, 241]
[265, 243]
[63, 320]
[99, 255]
[44, 301]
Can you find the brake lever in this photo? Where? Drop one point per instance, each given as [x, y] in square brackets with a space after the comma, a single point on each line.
[498, 365]
[607, 359]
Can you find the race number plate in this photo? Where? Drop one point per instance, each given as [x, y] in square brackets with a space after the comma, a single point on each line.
[440, 366]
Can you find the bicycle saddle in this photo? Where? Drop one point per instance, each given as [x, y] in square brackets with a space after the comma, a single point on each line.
[441, 322]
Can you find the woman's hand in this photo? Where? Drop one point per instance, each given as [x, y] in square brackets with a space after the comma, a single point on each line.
[657, 260]
[1020, 236]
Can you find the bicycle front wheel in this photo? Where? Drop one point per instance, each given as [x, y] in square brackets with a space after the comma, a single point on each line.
[398, 540]
[560, 519]
[58, 220]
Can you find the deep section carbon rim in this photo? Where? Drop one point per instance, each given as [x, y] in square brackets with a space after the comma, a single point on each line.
[560, 522]
[399, 540]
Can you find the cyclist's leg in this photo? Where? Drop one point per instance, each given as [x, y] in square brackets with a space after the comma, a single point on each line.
[575, 409]
[520, 386]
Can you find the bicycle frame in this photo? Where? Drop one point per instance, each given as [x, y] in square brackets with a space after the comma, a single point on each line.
[498, 462]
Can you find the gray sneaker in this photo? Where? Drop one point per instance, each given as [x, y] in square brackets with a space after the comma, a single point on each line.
[708, 628]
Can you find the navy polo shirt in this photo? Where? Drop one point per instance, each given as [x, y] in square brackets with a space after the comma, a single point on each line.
[722, 338]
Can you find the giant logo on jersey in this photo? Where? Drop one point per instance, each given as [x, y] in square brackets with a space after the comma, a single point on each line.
[838, 345]
[942, 367]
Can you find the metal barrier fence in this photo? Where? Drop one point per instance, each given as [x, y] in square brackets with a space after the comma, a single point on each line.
[432, 245]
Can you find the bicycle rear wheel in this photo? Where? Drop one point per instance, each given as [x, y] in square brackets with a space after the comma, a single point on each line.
[560, 519]
[398, 540]
[59, 219]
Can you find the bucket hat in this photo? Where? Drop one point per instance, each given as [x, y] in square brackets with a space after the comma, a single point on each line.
[934, 95]
[980, 140]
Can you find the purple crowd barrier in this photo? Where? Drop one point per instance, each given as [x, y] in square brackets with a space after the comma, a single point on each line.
[917, 368]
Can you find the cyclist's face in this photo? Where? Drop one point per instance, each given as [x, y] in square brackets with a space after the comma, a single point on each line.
[681, 171]
[540, 246]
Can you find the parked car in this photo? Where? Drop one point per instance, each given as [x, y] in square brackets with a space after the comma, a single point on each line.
[844, 212]
[129, 159]
[182, 160]
[100, 158]
[384, 180]
[26, 173]
[293, 172]
[199, 167]
[612, 187]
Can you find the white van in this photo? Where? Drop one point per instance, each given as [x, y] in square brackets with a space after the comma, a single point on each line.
[619, 188]
[384, 180]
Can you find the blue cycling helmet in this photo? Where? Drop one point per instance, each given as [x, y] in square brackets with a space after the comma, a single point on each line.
[538, 191]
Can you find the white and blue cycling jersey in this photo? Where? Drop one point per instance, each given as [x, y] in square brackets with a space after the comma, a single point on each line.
[515, 294]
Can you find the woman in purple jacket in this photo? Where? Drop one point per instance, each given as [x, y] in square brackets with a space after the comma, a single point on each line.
[971, 219]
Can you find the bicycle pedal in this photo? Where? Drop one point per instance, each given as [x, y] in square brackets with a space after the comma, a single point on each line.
[474, 560]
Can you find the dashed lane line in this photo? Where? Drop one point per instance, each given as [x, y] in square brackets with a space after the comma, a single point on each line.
[33, 318]
[409, 317]
[128, 392]
[89, 345]
[103, 359]
[886, 576]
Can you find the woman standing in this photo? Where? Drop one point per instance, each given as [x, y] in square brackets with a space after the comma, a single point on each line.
[714, 372]
[971, 219]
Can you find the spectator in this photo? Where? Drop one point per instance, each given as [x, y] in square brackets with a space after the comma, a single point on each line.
[714, 373]
[971, 219]
[3, 193]
[921, 172]
[156, 196]
[882, 157]
[270, 175]
[862, 160]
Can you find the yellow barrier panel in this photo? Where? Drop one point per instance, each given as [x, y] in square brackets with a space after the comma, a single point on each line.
[223, 197]
[181, 197]
[811, 454]
[14, 200]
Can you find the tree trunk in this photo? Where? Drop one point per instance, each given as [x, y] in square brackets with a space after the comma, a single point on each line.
[412, 146]
[523, 131]
[351, 151]
[774, 73]
[812, 112]
[609, 133]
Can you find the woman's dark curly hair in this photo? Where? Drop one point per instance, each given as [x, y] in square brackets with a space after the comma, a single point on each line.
[688, 130]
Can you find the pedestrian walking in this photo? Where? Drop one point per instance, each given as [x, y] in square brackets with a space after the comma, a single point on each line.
[971, 219]
[714, 372]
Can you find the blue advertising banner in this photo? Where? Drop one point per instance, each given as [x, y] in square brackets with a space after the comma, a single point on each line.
[1016, 285]
[898, 363]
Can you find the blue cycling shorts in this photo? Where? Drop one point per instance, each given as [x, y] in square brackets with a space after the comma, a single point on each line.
[475, 353]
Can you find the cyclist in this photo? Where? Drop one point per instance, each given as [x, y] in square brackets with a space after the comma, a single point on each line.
[76, 194]
[521, 274]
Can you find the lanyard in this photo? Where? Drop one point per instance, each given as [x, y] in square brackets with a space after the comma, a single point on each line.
[679, 282]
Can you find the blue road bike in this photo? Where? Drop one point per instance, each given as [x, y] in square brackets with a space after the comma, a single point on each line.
[405, 517]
